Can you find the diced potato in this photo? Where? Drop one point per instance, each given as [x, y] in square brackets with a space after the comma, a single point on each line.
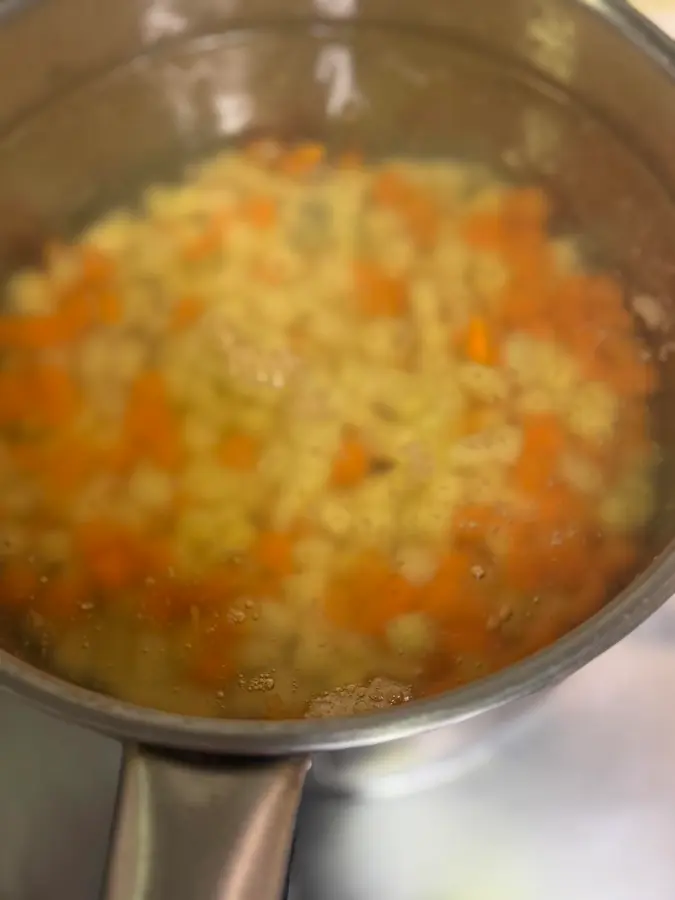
[486, 383]
[593, 412]
[200, 436]
[151, 488]
[410, 634]
[581, 474]
[417, 564]
[29, 294]
[629, 505]
[500, 446]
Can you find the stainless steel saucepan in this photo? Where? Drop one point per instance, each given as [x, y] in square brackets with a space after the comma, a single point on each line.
[97, 95]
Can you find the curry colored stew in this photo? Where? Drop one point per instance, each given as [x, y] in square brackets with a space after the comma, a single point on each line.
[305, 435]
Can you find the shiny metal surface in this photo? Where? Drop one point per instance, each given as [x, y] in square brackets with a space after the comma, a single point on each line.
[579, 804]
[189, 829]
[385, 87]
[189, 826]
[508, 71]
[412, 763]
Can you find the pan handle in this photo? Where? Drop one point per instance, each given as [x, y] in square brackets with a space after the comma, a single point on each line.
[201, 828]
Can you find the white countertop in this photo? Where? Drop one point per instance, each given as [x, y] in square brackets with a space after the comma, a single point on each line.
[661, 12]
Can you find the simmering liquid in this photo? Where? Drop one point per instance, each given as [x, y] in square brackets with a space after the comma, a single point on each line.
[308, 436]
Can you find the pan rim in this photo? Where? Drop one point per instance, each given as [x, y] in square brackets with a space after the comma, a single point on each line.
[632, 606]
[146, 725]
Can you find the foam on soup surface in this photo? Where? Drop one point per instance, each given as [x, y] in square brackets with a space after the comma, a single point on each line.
[305, 437]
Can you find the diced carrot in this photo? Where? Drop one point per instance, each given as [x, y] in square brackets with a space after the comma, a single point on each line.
[342, 610]
[33, 332]
[583, 343]
[483, 230]
[211, 665]
[522, 308]
[151, 426]
[118, 456]
[19, 583]
[154, 556]
[156, 601]
[217, 588]
[55, 398]
[480, 345]
[378, 293]
[63, 594]
[370, 595]
[595, 325]
[398, 596]
[352, 463]
[97, 267]
[529, 262]
[454, 590]
[302, 160]
[523, 564]
[203, 246]
[273, 551]
[543, 441]
[112, 568]
[164, 599]
[238, 451]
[212, 661]
[147, 396]
[561, 506]
[260, 212]
[526, 207]
[466, 634]
[68, 463]
[14, 397]
[186, 312]
[393, 190]
[110, 310]
[78, 313]
[423, 220]
[390, 188]
[27, 456]
[166, 448]
[108, 554]
[553, 548]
